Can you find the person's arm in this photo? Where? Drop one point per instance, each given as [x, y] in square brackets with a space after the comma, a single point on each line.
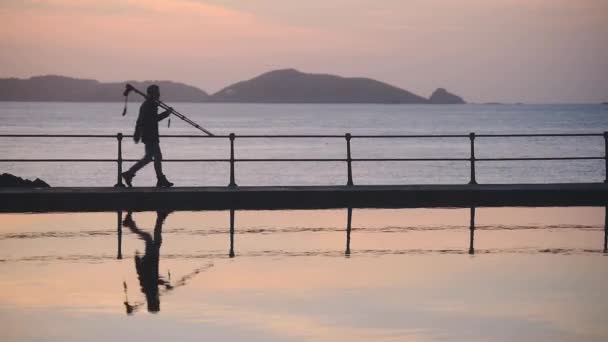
[139, 125]
[164, 114]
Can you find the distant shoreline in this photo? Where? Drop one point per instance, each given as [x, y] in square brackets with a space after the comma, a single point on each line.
[277, 86]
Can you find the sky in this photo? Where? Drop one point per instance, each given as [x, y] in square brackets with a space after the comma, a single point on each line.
[536, 51]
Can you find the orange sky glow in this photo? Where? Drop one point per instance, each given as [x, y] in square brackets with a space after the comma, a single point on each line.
[506, 50]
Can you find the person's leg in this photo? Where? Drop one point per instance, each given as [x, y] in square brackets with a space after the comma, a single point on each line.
[158, 167]
[130, 173]
[158, 162]
[142, 162]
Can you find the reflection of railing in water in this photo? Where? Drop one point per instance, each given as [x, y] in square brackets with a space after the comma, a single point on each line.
[196, 232]
[349, 219]
[119, 230]
[348, 137]
[231, 254]
[606, 230]
[153, 294]
[472, 232]
[349, 214]
[362, 252]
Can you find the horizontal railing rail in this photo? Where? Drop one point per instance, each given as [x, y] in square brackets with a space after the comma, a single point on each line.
[348, 158]
[258, 136]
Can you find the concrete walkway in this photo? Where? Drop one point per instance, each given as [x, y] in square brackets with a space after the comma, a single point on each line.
[301, 197]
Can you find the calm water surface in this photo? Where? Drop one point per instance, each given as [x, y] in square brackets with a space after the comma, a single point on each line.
[536, 274]
[105, 118]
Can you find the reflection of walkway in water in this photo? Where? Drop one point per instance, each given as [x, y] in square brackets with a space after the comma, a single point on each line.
[148, 264]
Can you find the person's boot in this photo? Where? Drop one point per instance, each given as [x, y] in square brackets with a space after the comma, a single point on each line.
[163, 182]
[128, 177]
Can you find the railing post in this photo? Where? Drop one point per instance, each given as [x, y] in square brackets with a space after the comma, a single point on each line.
[119, 183]
[349, 160]
[606, 156]
[472, 138]
[232, 182]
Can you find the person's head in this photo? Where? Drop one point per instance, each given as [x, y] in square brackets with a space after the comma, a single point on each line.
[153, 92]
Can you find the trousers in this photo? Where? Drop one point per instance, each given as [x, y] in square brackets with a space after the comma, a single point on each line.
[152, 153]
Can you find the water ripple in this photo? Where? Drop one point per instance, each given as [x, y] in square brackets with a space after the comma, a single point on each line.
[296, 229]
[217, 254]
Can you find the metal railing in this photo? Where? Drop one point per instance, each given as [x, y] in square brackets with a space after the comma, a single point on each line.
[348, 159]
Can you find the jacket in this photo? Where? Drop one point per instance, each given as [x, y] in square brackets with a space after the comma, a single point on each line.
[147, 122]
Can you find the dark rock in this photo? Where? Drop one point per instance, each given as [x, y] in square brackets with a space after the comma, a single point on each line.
[11, 181]
[442, 96]
[39, 183]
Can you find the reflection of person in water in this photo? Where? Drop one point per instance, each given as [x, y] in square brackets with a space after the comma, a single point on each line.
[147, 265]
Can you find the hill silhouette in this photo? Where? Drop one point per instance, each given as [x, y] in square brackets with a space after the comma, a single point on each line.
[293, 86]
[278, 86]
[61, 88]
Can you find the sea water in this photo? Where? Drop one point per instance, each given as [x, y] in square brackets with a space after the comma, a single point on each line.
[307, 119]
[298, 275]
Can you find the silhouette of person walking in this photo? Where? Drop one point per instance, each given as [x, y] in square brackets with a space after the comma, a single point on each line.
[146, 129]
[147, 265]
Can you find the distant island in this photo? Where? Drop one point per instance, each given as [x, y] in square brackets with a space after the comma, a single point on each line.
[441, 96]
[278, 86]
[67, 89]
